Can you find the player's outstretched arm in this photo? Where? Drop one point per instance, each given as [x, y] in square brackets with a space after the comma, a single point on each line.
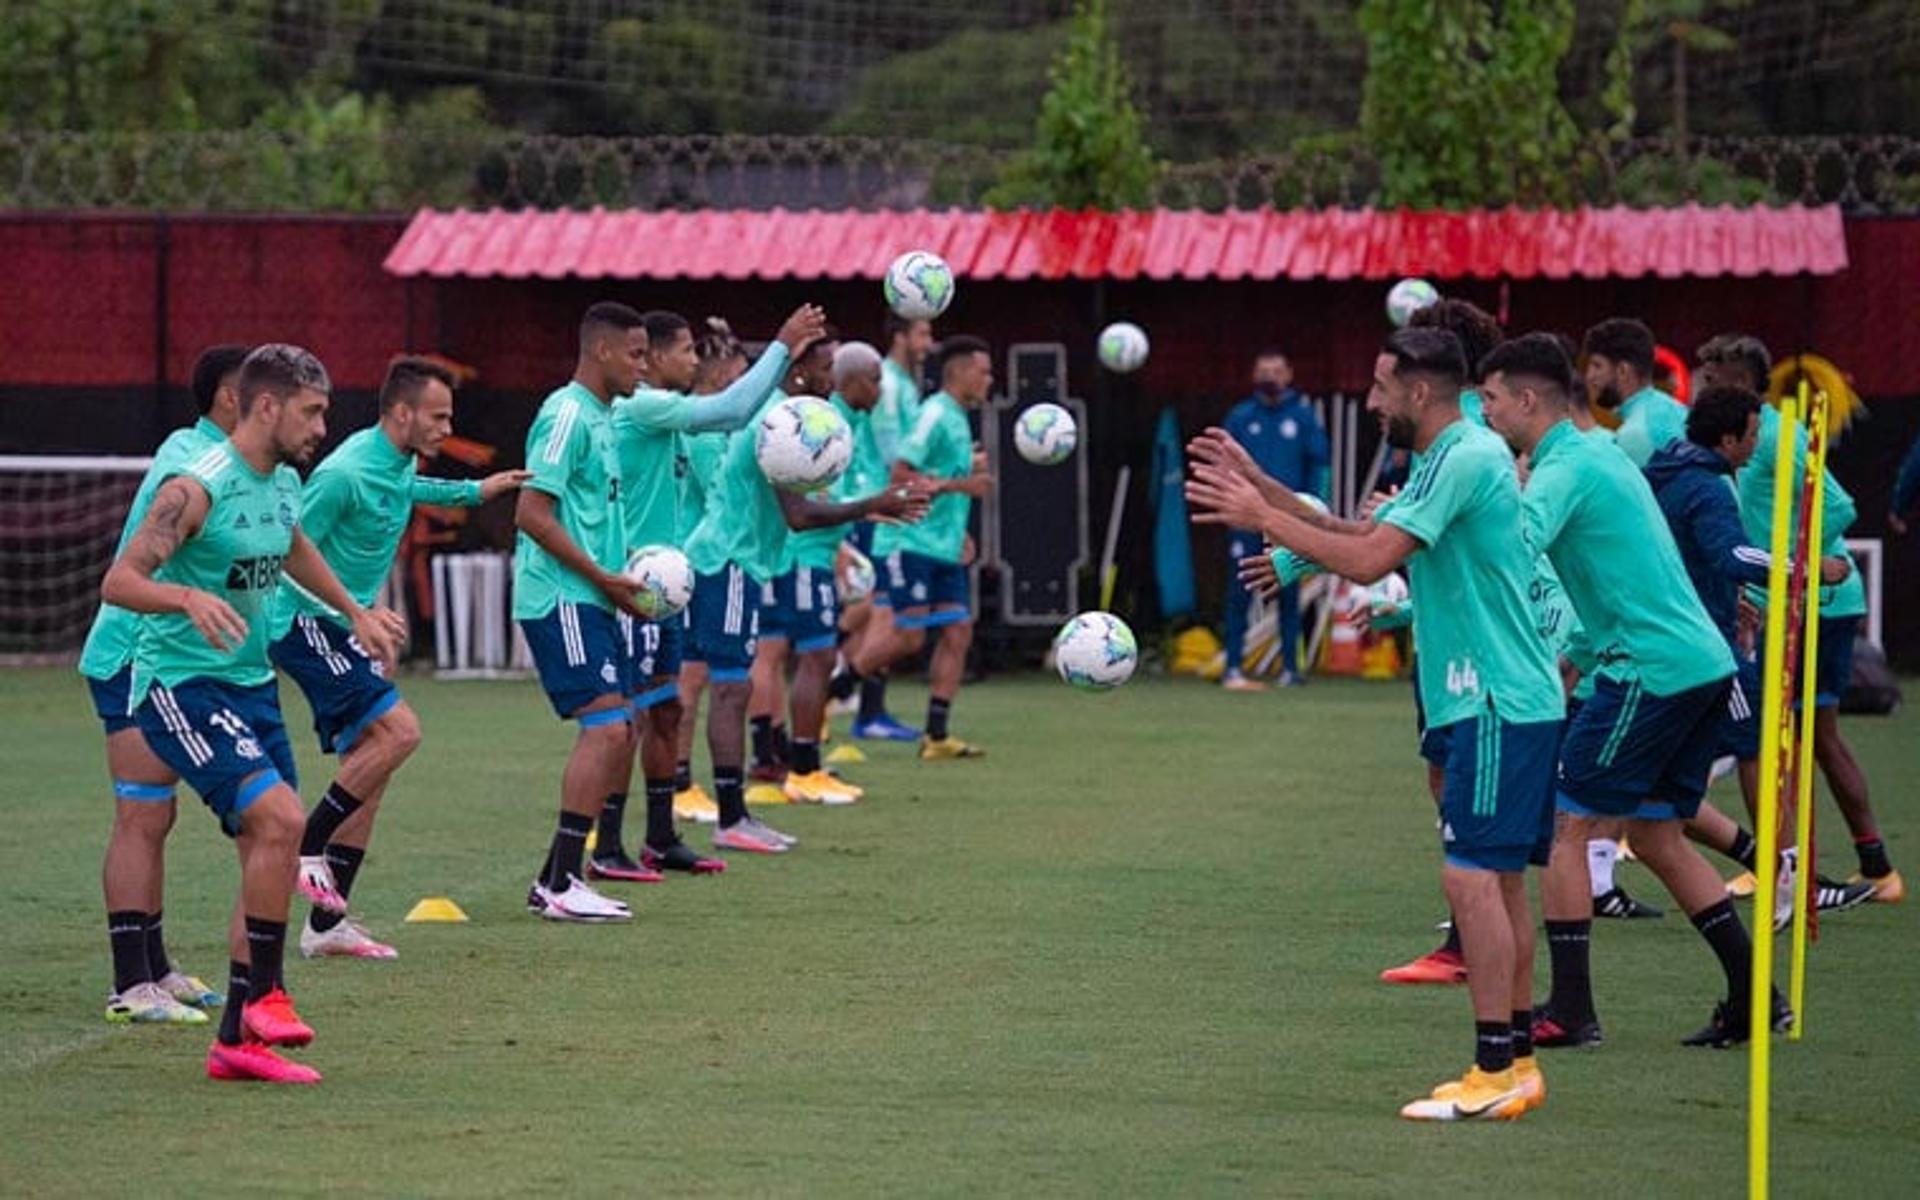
[380, 630]
[534, 516]
[1218, 448]
[733, 406]
[1223, 496]
[466, 493]
[898, 503]
[179, 508]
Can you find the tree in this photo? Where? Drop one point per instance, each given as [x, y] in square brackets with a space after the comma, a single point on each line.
[1089, 148]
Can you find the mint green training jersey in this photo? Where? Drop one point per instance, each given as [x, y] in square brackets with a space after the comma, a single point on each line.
[940, 445]
[866, 474]
[1593, 514]
[1754, 485]
[1649, 419]
[1475, 643]
[702, 453]
[236, 556]
[109, 645]
[355, 508]
[743, 523]
[899, 406]
[571, 453]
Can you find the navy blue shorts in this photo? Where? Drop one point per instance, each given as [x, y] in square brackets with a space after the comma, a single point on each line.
[862, 537]
[726, 624]
[110, 700]
[580, 655]
[1835, 663]
[654, 650]
[1434, 743]
[1630, 753]
[802, 608]
[346, 687]
[909, 580]
[1741, 735]
[1496, 805]
[227, 742]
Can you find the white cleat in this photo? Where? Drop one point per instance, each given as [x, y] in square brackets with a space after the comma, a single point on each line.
[190, 989]
[348, 939]
[315, 881]
[149, 1004]
[763, 830]
[748, 836]
[577, 902]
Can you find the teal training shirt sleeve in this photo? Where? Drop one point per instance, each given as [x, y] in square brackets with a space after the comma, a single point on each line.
[447, 493]
[550, 453]
[1430, 501]
[1543, 512]
[731, 408]
[326, 496]
[921, 443]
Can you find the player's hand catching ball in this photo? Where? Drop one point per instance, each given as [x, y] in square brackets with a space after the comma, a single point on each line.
[1221, 495]
[1257, 573]
[501, 482]
[620, 590]
[218, 622]
[900, 503]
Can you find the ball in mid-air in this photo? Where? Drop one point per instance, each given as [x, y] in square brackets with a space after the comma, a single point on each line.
[1045, 434]
[918, 286]
[1095, 651]
[663, 579]
[1408, 297]
[802, 444]
[1123, 347]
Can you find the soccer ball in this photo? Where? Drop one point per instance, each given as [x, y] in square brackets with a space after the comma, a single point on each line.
[664, 579]
[802, 444]
[1408, 297]
[856, 577]
[918, 286]
[1387, 594]
[1095, 651]
[1123, 347]
[1045, 434]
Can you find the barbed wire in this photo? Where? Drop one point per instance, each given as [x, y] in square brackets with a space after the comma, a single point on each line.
[273, 172]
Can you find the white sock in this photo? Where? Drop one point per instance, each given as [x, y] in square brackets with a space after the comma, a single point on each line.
[1601, 853]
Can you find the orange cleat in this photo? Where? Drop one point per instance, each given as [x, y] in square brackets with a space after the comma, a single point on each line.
[1441, 966]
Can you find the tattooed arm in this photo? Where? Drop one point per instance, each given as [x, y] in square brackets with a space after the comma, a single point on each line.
[178, 509]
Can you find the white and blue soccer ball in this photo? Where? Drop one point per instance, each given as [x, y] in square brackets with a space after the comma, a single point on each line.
[918, 286]
[1123, 347]
[856, 578]
[663, 579]
[1095, 651]
[1408, 297]
[802, 444]
[1045, 434]
[1387, 595]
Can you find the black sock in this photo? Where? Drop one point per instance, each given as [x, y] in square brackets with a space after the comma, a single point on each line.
[873, 698]
[728, 796]
[326, 818]
[843, 684]
[1743, 849]
[612, 816]
[157, 965]
[266, 950]
[1522, 1034]
[344, 861]
[761, 731]
[660, 833]
[236, 999]
[127, 934]
[1721, 926]
[1452, 944]
[805, 756]
[1568, 944]
[1492, 1045]
[683, 776]
[937, 711]
[782, 748]
[569, 847]
[1873, 859]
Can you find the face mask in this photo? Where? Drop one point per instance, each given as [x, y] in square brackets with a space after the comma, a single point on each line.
[1268, 387]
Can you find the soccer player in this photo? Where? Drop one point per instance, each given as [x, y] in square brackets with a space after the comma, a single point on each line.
[739, 545]
[204, 567]
[1689, 479]
[568, 588]
[357, 503]
[1283, 434]
[1489, 681]
[146, 987]
[1642, 746]
[1743, 362]
[1619, 354]
[806, 616]
[651, 430]
[908, 344]
[927, 586]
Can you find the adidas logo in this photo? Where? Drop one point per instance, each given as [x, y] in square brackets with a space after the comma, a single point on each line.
[241, 522]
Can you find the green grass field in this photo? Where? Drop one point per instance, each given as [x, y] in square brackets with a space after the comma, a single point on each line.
[1133, 951]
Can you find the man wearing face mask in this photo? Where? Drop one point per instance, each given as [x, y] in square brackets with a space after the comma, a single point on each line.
[356, 507]
[1282, 432]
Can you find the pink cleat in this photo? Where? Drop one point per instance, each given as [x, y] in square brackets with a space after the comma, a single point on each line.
[271, 1019]
[250, 1062]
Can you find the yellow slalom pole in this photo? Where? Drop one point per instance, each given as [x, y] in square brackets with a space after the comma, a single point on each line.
[1809, 687]
[1774, 734]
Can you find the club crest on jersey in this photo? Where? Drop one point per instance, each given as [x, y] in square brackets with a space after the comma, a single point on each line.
[286, 515]
[1288, 429]
[607, 673]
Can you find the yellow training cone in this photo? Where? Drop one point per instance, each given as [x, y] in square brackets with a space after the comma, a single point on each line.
[846, 754]
[436, 908]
